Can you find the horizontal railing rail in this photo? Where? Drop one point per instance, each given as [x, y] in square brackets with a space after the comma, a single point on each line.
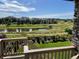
[51, 53]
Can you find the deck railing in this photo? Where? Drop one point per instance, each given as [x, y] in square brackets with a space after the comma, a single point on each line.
[9, 47]
[13, 47]
[50, 53]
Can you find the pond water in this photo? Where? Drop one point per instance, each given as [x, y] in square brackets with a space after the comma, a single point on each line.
[42, 29]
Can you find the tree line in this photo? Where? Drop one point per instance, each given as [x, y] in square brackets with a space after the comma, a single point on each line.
[26, 20]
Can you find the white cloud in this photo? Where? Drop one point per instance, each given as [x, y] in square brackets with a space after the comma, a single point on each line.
[14, 6]
[59, 15]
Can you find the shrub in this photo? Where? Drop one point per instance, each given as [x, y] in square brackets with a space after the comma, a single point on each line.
[69, 31]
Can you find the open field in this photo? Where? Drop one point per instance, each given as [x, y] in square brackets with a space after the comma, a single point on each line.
[55, 26]
[57, 29]
[14, 26]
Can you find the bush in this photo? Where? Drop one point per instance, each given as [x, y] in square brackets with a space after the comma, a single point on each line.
[69, 31]
[50, 26]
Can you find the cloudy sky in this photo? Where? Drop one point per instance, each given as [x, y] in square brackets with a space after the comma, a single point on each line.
[37, 8]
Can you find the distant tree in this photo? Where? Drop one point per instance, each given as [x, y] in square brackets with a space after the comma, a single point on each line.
[69, 31]
[50, 26]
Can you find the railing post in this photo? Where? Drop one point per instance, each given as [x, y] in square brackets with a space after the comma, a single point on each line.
[1, 53]
[26, 49]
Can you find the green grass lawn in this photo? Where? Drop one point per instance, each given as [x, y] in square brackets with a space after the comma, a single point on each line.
[59, 25]
[56, 44]
[14, 26]
[58, 54]
[16, 35]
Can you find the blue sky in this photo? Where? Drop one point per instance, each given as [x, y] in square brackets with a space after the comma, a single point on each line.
[37, 8]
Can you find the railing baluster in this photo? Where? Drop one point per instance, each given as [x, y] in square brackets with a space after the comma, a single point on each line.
[72, 52]
[59, 54]
[42, 55]
[68, 54]
[51, 55]
[32, 55]
[62, 54]
[48, 55]
[27, 56]
[65, 54]
[55, 55]
[37, 56]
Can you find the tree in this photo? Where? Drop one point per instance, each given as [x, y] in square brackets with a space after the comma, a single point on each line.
[76, 17]
[50, 26]
[69, 31]
[76, 25]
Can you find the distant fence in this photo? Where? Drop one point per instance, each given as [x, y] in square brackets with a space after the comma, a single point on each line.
[51, 53]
